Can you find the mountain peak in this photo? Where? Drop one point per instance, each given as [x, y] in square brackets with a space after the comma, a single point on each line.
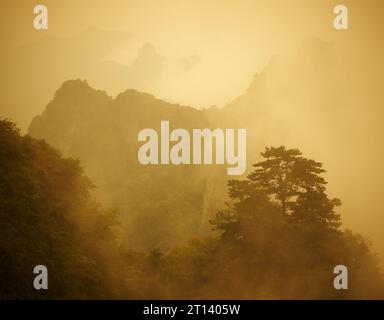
[76, 88]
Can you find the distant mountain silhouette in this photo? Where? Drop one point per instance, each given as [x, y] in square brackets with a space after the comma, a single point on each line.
[40, 67]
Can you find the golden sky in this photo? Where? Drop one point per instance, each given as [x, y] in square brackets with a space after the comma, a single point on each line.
[231, 39]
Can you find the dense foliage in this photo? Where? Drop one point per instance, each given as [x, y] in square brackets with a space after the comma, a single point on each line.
[47, 216]
[280, 236]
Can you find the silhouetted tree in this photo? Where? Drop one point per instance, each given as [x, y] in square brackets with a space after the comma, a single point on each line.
[280, 235]
[294, 183]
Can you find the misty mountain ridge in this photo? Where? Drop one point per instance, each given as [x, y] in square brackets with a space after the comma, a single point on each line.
[303, 100]
[88, 124]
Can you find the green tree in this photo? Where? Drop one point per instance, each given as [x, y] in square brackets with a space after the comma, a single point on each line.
[296, 184]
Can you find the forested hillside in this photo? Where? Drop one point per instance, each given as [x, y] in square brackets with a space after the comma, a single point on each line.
[279, 237]
[48, 216]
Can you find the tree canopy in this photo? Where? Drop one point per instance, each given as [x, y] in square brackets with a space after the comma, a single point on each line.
[48, 217]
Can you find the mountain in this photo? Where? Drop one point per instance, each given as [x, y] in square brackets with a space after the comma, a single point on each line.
[160, 205]
[323, 99]
[39, 67]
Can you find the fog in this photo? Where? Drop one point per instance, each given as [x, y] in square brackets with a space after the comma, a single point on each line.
[253, 59]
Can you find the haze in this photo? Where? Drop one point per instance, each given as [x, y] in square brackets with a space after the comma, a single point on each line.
[204, 53]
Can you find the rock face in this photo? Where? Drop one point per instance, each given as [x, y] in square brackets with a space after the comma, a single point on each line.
[159, 205]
